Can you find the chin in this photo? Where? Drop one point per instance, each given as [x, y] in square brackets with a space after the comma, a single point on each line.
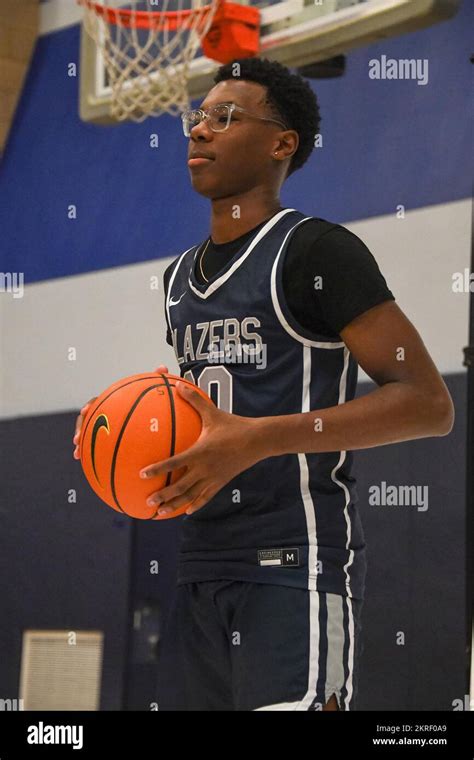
[207, 189]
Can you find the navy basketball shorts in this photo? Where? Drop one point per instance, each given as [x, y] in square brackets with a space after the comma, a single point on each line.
[255, 646]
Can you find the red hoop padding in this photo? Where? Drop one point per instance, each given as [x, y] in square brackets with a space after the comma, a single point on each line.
[234, 33]
[146, 19]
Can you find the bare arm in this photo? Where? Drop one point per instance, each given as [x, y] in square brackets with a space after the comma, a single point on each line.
[412, 400]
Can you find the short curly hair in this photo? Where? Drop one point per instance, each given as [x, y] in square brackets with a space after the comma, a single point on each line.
[289, 96]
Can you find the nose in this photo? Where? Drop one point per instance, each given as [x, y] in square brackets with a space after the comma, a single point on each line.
[201, 131]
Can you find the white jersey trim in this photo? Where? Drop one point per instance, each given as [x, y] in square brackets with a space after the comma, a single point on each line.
[170, 285]
[279, 311]
[308, 504]
[342, 457]
[220, 281]
[306, 496]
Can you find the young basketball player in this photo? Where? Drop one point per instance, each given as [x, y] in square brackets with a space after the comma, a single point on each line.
[271, 315]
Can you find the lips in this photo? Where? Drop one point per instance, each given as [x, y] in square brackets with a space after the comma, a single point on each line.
[199, 159]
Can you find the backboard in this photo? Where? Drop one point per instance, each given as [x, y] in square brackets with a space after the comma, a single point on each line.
[293, 32]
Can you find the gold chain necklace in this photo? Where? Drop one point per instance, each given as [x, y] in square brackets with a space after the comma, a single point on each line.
[200, 260]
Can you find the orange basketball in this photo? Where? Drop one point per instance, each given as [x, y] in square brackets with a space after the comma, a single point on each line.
[137, 421]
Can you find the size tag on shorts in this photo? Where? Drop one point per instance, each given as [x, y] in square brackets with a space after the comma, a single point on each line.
[278, 557]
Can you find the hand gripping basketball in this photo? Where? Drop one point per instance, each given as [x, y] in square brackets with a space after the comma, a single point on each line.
[137, 420]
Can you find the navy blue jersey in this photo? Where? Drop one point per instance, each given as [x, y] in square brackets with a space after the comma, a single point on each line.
[289, 519]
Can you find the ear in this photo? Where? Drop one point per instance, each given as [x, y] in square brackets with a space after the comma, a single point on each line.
[287, 145]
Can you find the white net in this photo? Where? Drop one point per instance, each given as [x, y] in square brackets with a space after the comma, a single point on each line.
[147, 47]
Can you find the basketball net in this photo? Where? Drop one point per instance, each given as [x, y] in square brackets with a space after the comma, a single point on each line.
[147, 52]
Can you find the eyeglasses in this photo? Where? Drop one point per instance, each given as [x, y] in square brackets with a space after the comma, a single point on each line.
[219, 117]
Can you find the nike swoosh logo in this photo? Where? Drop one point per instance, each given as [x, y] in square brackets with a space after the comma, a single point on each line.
[172, 302]
[101, 422]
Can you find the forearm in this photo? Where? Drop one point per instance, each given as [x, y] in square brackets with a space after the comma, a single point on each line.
[391, 413]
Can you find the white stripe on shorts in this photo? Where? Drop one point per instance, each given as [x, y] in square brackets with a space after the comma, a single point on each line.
[336, 663]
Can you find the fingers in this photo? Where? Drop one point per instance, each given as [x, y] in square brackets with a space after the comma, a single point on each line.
[191, 496]
[161, 368]
[169, 493]
[208, 493]
[79, 421]
[166, 465]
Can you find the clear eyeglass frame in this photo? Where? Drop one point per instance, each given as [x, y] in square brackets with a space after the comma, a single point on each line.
[219, 117]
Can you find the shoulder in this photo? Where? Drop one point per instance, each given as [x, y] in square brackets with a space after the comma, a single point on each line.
[324, 235]
[330, 246]
[330, 268]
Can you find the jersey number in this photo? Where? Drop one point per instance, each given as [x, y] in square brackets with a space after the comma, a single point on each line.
[217, 383]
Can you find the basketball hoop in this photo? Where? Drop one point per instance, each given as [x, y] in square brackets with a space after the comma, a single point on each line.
[147, 53]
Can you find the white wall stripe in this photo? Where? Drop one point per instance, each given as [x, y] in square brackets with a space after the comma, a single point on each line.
[113, 320]
[58, 14]
[117, 321]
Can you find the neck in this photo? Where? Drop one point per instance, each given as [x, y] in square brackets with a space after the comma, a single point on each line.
[235, 215]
